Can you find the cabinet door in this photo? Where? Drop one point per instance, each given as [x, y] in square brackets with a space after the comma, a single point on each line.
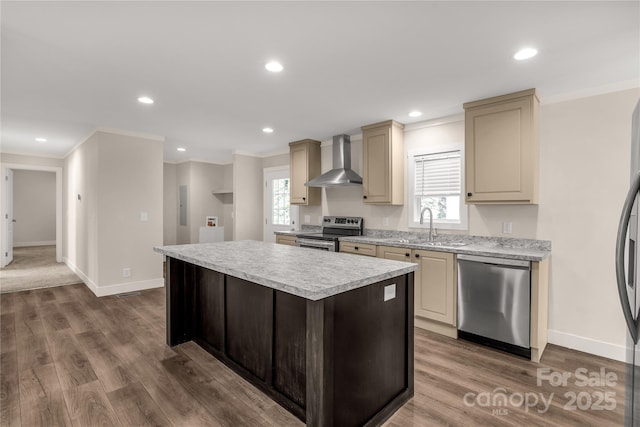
[435, 286]
[376, 176]
[299, 170]
[304, 165]
[501, 152]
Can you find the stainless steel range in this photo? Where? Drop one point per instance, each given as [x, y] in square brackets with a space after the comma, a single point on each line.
[333, 227]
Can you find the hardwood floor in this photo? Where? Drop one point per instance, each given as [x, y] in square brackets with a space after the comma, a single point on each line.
[69, 358]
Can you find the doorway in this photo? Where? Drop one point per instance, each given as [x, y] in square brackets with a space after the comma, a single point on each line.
[8, 219]
[279, 215]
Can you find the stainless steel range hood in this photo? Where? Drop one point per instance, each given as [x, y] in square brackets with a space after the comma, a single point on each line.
[341, 174]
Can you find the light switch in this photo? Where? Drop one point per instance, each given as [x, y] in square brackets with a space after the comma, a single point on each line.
[389, 292]
[506, 227]
[144, 216]
[385, 221]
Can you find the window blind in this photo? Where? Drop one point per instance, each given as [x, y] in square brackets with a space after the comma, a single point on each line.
[438, 174]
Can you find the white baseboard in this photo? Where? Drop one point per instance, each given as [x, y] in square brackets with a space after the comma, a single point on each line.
[588, 345]
[27, 244]
[118, 288]
[79, 273]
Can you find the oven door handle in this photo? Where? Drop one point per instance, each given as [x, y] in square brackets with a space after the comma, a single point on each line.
[313, 243]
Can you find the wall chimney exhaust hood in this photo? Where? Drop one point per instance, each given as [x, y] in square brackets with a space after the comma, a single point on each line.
[341, 174]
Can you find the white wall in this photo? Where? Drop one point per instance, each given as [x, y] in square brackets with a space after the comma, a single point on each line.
[34, 208]
[31, 160]
[129, 185]
[204, 178]
[247, 197]
[201, 179]
[80, 200]
[584, 175]
[117, 177]
[170, 204]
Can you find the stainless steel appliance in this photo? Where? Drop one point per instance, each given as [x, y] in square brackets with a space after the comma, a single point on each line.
[333, 227]
[627, 277]
[341, 174]
[494, 302]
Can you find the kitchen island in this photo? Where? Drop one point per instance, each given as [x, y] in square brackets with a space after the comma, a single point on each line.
[328, 336]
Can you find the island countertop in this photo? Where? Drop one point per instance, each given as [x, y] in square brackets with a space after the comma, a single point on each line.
[307, 273]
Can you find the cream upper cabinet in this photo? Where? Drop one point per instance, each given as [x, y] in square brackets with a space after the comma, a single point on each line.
[501, 149]
[383, 163]
[304, 164]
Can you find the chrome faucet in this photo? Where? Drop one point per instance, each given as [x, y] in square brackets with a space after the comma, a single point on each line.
[430, 221]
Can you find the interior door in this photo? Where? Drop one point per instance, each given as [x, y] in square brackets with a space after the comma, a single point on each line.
[279, 215]
[7, 217]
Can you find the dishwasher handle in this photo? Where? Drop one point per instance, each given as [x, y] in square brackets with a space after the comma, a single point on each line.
[517, 263]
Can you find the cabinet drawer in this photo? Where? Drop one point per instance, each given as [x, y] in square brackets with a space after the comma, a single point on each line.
[358, 248]
[286, 240]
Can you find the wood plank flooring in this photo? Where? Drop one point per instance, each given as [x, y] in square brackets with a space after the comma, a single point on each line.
[69, 358]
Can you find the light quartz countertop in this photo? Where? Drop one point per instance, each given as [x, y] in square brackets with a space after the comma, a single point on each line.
[307, 273]
[499, 248]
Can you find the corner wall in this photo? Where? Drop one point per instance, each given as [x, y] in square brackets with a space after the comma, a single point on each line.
[247, 193]
[111, 182]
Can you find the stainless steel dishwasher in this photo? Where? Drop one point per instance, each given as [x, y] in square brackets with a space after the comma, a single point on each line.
[494, 302]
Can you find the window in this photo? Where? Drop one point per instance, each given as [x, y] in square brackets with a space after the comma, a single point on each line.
[280, 201]
[436, 183]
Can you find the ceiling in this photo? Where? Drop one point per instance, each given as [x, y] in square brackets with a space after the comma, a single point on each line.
[69, 68]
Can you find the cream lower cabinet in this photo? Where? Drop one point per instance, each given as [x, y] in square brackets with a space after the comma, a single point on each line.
[434, 287]
[286, 240]
[358, 248]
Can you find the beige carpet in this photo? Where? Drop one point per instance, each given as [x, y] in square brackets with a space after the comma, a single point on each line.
[35, 267]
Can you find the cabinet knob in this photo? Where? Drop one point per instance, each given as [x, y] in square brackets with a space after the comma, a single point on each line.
[356, 248]
[417, 255]
[407, 254]
[364, 197]
[304, 198]
[469, 194]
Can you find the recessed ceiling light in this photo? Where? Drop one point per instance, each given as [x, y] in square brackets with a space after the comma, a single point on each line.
[41, 139]
[267, 130]
[181, 149]
[415, 114]
[274, 66]
[145, 100]
[526, 53]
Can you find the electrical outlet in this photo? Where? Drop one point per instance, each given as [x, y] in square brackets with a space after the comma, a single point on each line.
[506, 227]
[320, 220]
[389, 292]
[144, 216]
[385, 221]
[126, 272]
[307, 219]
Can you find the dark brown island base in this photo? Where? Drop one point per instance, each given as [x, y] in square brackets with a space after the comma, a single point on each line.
[342, 360]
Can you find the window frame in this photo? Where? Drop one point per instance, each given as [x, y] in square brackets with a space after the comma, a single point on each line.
[411, 196]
